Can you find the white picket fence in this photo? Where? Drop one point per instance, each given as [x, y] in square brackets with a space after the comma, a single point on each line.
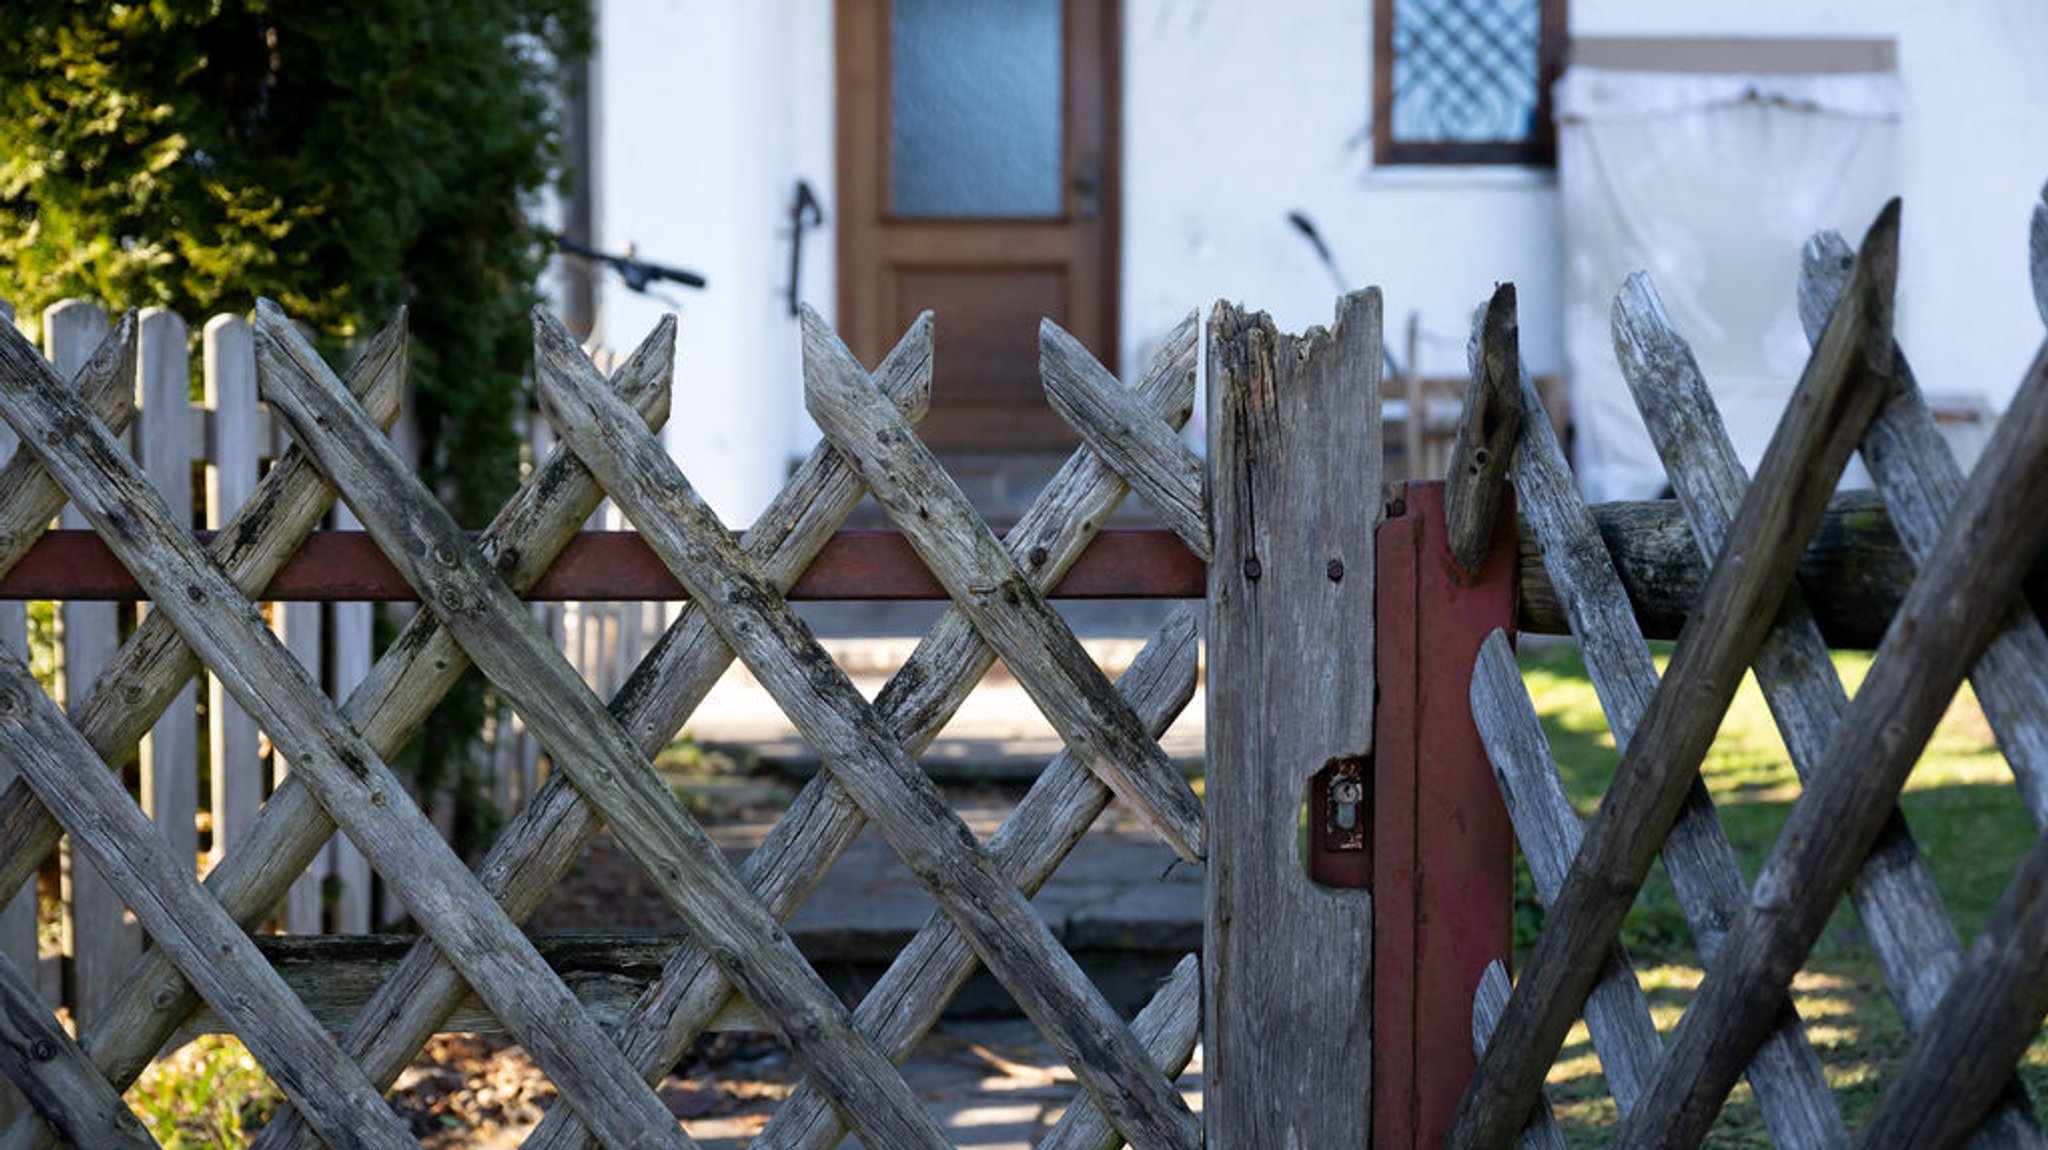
[228, 434]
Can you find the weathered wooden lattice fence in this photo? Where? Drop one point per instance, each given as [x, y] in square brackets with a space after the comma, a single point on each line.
[1343, 620]
[195, 762]
[1972, 1016]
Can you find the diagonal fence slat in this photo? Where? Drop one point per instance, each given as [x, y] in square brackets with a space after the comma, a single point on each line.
[153, 664]
[461, 586]
[1114, 423]
[1168, 1027]
[871, 763]
[161, 890]
[1950, 614]
[1920, 483]
[1807, 453]
[1550, 831]
[352, 783]
[917, 701]
[1895, 896]
[538, 845]
[253, 876]
[1787, 1075]
[992, 590]
[65, 1088]
[1489, 998]
[1045, 826]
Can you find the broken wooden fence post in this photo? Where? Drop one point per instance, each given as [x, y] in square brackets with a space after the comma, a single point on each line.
[1295, 448]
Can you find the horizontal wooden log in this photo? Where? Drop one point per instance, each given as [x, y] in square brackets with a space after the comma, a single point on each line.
[334, 975]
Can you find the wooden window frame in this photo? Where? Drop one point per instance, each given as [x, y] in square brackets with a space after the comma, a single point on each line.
[1538, 151]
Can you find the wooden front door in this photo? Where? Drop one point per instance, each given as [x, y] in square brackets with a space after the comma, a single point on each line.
[977, 160]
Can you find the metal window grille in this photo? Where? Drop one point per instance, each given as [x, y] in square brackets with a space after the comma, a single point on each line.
[1465, 81]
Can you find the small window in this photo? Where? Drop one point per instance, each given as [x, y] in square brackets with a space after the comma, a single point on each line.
[1465, 81]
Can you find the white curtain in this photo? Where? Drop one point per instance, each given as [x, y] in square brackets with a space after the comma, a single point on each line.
[1710, 183]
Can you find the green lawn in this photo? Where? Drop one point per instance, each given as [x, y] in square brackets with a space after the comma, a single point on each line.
[1962, 808]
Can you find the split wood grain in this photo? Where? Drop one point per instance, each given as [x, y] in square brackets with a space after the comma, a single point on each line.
[1047, 823]
[1295, 443]
[1825, 418]
[159, 886]
[1895, 897]
[1951, 613]
[1115, 424]
[61, 1083]
[916, 702]
[872, 765]
[153, 997]
[1487, 431]
[1920, 483]
[1489, 998]
[350, 779]
[550, 832]
[461, 586]
[1791, 1085]
[990, 587]
[1168, 1027]
[1959, 1071]
[1549, 831]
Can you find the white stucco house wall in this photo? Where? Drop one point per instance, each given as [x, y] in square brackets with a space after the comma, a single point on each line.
[1233, 113]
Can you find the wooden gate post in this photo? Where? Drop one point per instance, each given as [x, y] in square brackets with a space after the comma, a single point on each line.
[1442, 844]
[1295, 494]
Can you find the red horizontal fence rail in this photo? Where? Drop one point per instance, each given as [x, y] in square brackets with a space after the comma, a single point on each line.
[615, 566]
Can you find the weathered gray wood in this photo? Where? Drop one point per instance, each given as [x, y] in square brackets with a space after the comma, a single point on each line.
[17, 906]
[1787, 1074]
[1549, 831]
[403, 687]
[335, 974]
[2037, 253]
[1488, 1000]
[870, 763]
[298, 625]
[350, 655]
[1951, 613]
[98, 934]
[462, 587]
[1117, 426]
[28, 501]
[991, 588]
[1487, 432]
[1902, 913]
[353, 783]
[62, 1083]
[170, 756]
[1920, 482]
[154, 662]
[181, 919]
[1045, 826]
[1855, 571]
[1959, 1072]
[538, 845]
[236, 781]
[1168, 1027]
[1825, 418]
[1295, 446]
[917, 701]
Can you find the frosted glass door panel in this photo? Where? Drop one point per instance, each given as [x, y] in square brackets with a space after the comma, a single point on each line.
[975, 108]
